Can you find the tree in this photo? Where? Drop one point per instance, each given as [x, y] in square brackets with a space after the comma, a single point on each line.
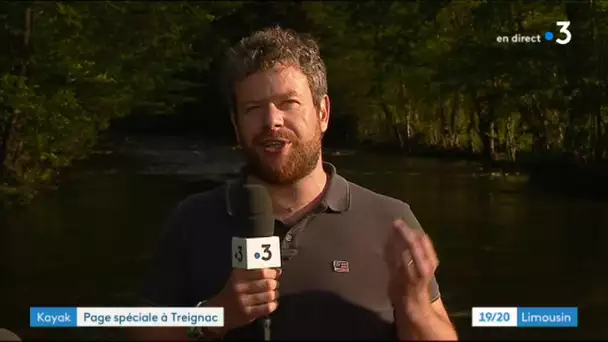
[72, 67]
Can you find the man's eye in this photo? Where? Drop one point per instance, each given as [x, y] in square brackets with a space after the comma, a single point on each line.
[251, 108]
[290, 103]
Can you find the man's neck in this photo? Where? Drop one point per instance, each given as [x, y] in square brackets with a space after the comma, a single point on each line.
[288, 200]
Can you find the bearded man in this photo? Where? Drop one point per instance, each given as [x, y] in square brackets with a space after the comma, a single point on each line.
[383, 285]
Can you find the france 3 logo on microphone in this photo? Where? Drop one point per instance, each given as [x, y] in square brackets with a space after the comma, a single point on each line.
[256, 253]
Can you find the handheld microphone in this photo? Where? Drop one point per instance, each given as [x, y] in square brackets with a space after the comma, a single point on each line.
[256, 248]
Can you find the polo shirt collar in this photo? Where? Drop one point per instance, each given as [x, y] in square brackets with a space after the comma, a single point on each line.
[336, 197]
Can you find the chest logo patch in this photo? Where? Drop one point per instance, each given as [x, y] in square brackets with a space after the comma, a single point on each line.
[341, 266]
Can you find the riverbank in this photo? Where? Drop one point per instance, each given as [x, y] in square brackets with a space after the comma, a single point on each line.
[552, 173]
[196, 157]
[209, 161]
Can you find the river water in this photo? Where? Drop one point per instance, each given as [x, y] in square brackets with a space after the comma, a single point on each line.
[501, 241]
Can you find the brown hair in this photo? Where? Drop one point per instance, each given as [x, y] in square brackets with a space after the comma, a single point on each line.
[266, 48]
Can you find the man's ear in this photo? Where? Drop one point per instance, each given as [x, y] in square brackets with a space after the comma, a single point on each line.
[324, 110]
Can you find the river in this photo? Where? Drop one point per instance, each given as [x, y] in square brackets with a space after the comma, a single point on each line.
[501, 241]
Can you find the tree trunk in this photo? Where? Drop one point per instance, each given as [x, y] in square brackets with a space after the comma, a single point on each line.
[510, 138]
[454, 119]
[485, 112]
[605, 140]
[388, 115]
[541, 143]
[406, 134]
[487, 131]
[444, 124]
[492, 145]
[471, 131]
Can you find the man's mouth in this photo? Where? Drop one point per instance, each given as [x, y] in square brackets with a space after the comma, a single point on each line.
[274, 145]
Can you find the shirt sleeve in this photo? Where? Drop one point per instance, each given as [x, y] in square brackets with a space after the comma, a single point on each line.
[167, 281]
[413, 223]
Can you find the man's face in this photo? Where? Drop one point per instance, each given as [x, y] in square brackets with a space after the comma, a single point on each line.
[278, 125]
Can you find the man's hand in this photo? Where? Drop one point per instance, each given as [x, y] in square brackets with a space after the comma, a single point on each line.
[412, 262]
[248, 295]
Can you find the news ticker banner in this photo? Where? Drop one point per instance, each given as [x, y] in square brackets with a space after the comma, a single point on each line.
[69, 317]
[525, 317]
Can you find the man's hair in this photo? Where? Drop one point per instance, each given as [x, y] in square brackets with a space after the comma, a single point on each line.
[267, 48]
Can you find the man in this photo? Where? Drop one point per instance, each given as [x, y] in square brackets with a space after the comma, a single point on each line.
[356, 264]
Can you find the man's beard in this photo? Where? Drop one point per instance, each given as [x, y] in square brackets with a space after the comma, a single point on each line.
[300, 161]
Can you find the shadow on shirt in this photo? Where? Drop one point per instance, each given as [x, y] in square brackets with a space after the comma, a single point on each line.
[320, 316]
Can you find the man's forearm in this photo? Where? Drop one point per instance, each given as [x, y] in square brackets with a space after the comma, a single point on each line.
[429, 326]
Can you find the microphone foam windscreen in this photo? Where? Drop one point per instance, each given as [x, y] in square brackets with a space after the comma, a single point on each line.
[256, 208]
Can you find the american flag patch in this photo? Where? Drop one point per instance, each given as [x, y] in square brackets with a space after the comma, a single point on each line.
[341, 266]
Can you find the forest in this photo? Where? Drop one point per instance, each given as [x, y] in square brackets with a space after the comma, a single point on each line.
[409, 77]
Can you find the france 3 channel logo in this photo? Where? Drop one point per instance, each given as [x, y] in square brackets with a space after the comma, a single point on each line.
[563, 36]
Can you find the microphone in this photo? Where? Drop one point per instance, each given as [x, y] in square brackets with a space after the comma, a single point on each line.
[256, 248]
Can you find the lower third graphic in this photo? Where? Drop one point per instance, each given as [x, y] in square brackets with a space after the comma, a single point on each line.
[541, 317]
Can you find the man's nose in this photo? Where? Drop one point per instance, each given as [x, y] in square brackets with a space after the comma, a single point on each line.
[273, 117]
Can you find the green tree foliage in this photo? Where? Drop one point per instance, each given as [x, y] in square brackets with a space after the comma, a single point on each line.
[70, 68]
[413, 75]
[433, 75]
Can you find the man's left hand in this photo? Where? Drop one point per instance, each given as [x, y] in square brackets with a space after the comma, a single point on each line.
[412, 262]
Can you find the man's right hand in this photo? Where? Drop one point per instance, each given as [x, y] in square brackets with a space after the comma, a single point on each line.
[248, 295]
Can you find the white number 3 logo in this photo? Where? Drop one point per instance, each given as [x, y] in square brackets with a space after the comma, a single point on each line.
[563, 25]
